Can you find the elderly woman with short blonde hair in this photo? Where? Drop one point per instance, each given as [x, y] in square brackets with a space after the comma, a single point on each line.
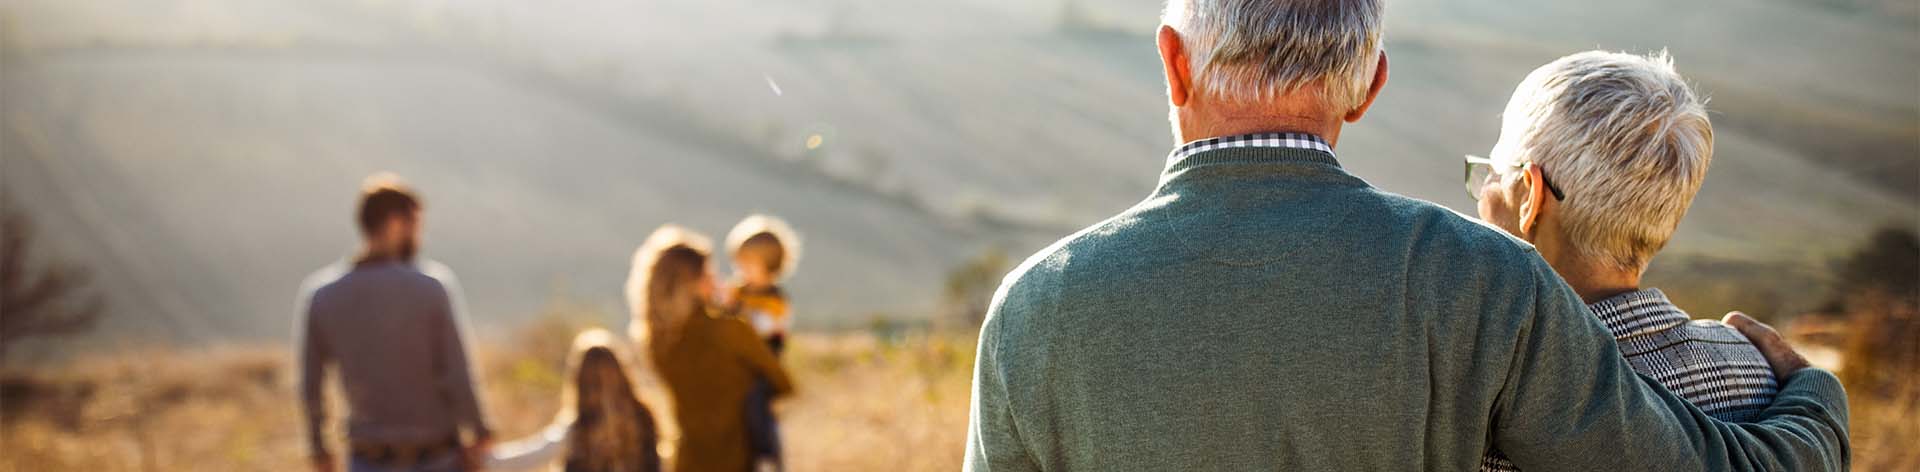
[1599, 157]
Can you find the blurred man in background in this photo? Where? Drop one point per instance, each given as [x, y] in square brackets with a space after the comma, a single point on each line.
[389, 326]
[1599, 157]
[1264, 309]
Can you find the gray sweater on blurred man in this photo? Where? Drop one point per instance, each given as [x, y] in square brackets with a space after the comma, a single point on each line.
[391, 331]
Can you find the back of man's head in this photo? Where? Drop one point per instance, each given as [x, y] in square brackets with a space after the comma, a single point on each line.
[1625, 138]
[382, 197]
[1249, 51]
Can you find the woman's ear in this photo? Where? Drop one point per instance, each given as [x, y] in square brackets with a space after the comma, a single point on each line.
[1532, 206]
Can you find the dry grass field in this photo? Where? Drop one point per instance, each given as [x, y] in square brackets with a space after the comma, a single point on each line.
[866, 402]
[1885, 429]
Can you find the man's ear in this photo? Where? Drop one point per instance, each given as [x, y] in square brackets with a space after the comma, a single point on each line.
[1533, 207]
[1173, 57]
[1373, 89]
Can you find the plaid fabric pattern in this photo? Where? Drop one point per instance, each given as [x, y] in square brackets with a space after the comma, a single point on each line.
[1708, 363]
[1279, 140]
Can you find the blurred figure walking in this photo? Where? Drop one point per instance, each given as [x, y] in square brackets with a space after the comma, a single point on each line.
[602, 425]
[388, 325]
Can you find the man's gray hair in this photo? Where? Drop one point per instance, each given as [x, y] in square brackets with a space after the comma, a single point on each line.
[1624, 137]
[1254, 50]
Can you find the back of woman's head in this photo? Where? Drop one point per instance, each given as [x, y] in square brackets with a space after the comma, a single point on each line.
[597, 375]
[600, 378]
[663, 287]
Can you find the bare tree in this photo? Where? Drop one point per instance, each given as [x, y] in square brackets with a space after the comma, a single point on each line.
[43, 302]
[1888, 264]
[970, 288]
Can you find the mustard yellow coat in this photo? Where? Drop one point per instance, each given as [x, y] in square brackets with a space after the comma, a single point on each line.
[709, 369]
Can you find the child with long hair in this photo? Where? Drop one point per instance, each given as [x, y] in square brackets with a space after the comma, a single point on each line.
[708, 360]
[602, 425]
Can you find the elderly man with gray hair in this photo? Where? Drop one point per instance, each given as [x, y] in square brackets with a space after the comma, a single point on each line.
[1264, 309]
[1628, 143]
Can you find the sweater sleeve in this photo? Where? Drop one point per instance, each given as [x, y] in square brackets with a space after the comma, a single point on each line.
[1571, 402]
[314, 359]
[748, 347]
[456, 373]
[993, 444]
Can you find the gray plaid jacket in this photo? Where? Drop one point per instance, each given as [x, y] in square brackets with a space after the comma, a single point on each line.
[1708, 363]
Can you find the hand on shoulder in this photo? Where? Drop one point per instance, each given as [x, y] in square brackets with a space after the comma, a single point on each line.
[1779, 353]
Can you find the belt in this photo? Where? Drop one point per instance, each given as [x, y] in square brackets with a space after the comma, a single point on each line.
[403, 454]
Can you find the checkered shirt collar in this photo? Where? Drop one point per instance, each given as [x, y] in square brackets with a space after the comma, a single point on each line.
[1256, 140]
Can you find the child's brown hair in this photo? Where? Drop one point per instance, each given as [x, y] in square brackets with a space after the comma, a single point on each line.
[767, 239]
[618, 433]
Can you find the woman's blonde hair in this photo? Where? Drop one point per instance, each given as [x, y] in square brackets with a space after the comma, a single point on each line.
[672, 259]
[1628, 140]
[616, 432]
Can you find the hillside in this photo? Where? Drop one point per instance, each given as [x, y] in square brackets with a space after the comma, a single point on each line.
[202, 154]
